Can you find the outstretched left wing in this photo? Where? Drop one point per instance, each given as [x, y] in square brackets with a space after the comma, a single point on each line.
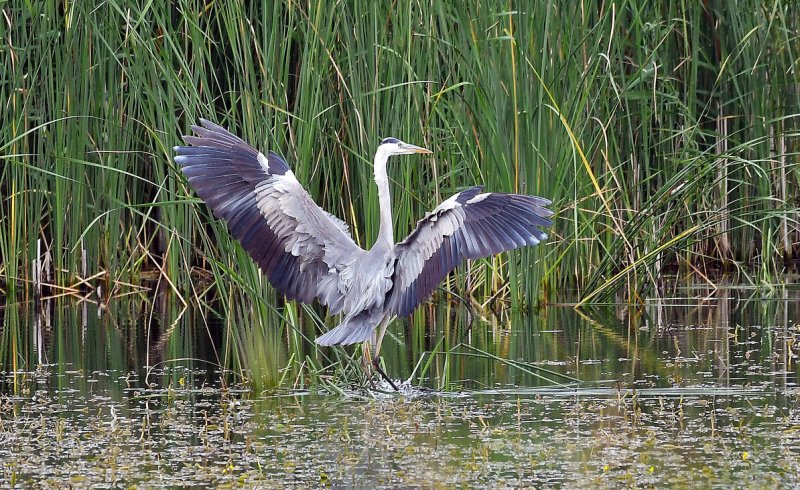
[469, 225]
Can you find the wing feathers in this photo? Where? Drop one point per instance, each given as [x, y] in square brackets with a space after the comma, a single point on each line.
[469, 225]
[269, 213]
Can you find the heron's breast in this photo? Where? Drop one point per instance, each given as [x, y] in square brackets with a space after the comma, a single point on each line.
[369, 283]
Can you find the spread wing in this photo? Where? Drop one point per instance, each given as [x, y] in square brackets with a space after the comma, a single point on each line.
[305, 252]
[469, 225]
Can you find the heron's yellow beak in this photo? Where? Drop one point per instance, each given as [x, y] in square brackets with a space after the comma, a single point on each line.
[416, 149]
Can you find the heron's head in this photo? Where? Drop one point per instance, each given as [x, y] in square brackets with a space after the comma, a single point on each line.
[393, 146]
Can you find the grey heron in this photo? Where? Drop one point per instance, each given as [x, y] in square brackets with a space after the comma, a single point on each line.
[307, 253]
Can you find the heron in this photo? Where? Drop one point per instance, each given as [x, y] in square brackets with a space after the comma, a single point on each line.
[309, 254]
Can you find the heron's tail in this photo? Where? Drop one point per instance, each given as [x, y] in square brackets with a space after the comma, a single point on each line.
[352, 330]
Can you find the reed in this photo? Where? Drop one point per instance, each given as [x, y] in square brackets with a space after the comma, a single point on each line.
[665, 133]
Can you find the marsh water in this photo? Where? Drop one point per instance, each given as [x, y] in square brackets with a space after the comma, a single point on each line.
[698, 389]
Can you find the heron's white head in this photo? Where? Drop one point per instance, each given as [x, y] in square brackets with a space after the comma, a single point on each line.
[393, 146]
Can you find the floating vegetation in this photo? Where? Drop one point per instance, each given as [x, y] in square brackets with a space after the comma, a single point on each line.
[702, 386]
[78, 429]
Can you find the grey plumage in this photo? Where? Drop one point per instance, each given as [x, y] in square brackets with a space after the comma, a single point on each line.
[469, 225]
[308, 254]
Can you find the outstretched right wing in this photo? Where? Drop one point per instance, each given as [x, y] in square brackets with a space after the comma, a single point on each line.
[305, 252]
[469, 225]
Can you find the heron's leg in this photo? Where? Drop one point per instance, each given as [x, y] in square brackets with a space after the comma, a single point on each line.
[376, 362]
[376, 359]
[366, 359]
[381, 332]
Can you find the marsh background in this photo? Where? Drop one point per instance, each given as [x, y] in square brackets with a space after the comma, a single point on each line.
[664, 132]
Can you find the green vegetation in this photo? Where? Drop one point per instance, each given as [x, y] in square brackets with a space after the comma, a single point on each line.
[664, 132]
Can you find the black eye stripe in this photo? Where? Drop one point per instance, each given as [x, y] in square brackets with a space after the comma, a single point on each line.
[390, 140]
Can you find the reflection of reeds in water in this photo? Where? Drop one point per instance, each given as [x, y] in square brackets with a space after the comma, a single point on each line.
[723, 337]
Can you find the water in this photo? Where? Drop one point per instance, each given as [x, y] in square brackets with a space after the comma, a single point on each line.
[697, 390]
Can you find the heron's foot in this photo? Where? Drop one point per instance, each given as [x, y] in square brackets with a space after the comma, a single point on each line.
[376, 363]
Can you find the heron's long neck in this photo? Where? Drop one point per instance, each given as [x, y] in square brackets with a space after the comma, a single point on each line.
[386, 233]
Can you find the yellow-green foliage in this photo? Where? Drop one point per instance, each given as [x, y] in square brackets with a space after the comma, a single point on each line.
[665, 132]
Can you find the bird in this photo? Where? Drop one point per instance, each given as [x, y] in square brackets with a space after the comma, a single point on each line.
[309, 254]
